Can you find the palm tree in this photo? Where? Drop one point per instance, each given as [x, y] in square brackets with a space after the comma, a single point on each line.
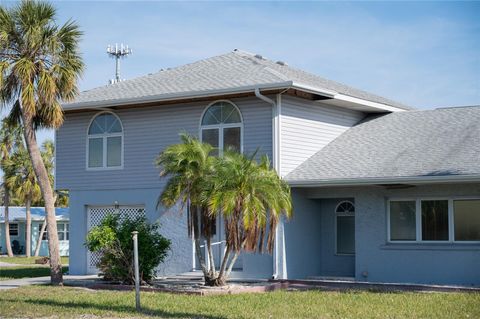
[39, 67]
[23, 182]
[187, 166]
[251, 197]
[48, 151]
[10, 140]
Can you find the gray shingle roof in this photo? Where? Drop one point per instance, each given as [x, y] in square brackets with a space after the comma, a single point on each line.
[418, 144]
[229, 71]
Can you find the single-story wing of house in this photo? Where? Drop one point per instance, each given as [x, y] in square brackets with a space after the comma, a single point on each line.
[18, 236]
[381, 192]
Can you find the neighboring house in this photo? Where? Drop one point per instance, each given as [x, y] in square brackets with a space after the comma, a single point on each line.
[381, 192]
[16, 216]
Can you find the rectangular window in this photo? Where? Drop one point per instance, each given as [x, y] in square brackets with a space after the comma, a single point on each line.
[434, 220]
[402, 220]
[346, 235]
[61, 231]
[95, 152]
[466, 215]
[13, 230]
[211, 136]
[231, 139]
[114, 151]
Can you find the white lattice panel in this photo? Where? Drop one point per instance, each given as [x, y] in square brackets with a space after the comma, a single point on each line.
[97, 214]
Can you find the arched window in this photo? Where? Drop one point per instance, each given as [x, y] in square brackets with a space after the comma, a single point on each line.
[345, 228]
[221, 127]
[345, 208]
[105, 142]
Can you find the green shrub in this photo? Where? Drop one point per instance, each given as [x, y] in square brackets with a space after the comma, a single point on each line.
[113, 239]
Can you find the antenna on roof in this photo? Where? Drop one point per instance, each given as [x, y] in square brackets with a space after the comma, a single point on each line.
[118, 52]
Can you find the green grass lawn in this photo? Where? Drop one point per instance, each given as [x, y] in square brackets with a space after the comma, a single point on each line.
[45, 301]
[27, 260]
[27, 271]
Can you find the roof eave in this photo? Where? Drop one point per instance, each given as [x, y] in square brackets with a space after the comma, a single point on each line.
[384, 180]
[244, 89]
[175, 96]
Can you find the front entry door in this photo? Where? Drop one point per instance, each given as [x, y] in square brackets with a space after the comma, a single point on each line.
[338, 237]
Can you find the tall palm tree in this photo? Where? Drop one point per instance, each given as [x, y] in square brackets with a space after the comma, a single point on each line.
[23, 182]
[251, 197]
[10, 140]
[47, 156]
[39, 67]
[187, 166]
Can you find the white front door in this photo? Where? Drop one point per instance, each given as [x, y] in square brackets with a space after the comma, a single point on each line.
[95, 215]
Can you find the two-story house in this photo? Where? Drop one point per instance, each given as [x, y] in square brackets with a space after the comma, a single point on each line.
[381, 192]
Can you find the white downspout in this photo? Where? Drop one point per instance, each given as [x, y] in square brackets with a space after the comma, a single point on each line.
[275, 126]
[276, 111]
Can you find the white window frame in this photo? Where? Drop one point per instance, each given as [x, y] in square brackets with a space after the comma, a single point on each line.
[222, 126]
[336, 229]
[64, 231]
[17, 228]
[418, 221]
[104, 138]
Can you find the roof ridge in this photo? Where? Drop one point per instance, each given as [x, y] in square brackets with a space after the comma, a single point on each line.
[261, 59]
[456, 107]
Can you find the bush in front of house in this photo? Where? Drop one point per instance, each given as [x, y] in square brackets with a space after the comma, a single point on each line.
[113, 239]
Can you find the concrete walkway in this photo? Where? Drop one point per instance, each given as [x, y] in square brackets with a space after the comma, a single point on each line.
[5, 265]
[67, 279]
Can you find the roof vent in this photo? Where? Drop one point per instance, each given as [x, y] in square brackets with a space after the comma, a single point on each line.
[258, 56]
[281, 63]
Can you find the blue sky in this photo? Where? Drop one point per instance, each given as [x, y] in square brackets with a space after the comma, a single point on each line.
[424, 54]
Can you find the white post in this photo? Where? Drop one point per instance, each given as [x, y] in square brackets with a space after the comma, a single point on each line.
[207, 259]
[137, 275]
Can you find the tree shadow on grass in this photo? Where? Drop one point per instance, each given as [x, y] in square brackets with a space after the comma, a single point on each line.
[118, 308]
[26, 272]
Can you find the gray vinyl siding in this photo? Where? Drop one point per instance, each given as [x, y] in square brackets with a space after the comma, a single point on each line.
[306, 127]
[147, 131]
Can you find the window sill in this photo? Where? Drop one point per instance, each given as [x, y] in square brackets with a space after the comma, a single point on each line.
[112, 168]
[432, 246]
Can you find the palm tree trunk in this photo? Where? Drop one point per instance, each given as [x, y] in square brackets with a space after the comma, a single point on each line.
[39, 239]
[28, 231]
[224, 263]
[56, 276]
[6, 201]
[232, 262]
[201, 260]
[210, 256]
